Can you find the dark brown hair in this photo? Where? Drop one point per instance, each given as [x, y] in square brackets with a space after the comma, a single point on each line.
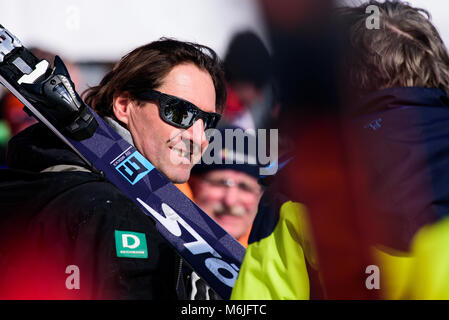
[406, 50]
[145, 68]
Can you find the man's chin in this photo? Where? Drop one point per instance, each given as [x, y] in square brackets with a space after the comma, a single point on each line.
[230, 223]
[178, 175]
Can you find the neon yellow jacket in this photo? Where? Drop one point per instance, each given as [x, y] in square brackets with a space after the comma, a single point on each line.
[275, 266]
[424, 272]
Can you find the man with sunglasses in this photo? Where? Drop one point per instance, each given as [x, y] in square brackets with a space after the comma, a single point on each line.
[63, 225]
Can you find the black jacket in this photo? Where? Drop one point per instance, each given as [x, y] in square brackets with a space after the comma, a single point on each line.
[404, 143]
[52, 220]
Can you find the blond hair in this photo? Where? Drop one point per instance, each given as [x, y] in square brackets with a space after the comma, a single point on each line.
[405, 51]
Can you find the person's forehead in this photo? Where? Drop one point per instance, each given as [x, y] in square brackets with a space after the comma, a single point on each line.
[190, 83]
[237, 176]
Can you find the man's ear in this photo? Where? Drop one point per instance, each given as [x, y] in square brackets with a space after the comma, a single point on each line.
[121, 105]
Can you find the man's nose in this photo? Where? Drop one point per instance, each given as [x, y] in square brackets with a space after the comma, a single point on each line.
[230, 196]
[196, 135]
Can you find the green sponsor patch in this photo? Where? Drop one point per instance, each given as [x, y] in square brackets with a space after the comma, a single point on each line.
[130, 244]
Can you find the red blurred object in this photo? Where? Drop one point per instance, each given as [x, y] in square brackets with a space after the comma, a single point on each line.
[36, 275]
[331, 184]
[14, 115]
[234, 105]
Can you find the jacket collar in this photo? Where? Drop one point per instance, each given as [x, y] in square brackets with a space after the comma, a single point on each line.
[402, 96]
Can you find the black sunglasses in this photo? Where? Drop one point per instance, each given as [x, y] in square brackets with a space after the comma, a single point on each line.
[179, 112]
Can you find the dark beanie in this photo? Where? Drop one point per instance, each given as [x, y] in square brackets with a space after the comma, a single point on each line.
[247, 59]
[228, 150]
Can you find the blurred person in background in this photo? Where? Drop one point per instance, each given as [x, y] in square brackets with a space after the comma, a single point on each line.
[398, 95]
[228, 191]
[301, 213]
[370, 171]
[250, 82]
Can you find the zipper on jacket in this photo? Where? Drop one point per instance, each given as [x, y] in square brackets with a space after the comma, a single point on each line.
[178, 277]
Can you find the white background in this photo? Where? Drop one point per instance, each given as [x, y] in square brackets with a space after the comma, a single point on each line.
[104, 30]
[83, 30]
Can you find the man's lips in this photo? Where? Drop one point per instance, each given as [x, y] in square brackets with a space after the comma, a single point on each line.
[182, 152]
[180, 156]
[193, 154]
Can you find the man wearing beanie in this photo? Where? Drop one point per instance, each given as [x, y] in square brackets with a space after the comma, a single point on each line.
[229, 190]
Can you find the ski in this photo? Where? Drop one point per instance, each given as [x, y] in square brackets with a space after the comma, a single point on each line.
[49, 95]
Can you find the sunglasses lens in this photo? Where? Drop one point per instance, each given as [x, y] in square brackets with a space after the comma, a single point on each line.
[183, 114]
[179, 113]
[210, 122]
